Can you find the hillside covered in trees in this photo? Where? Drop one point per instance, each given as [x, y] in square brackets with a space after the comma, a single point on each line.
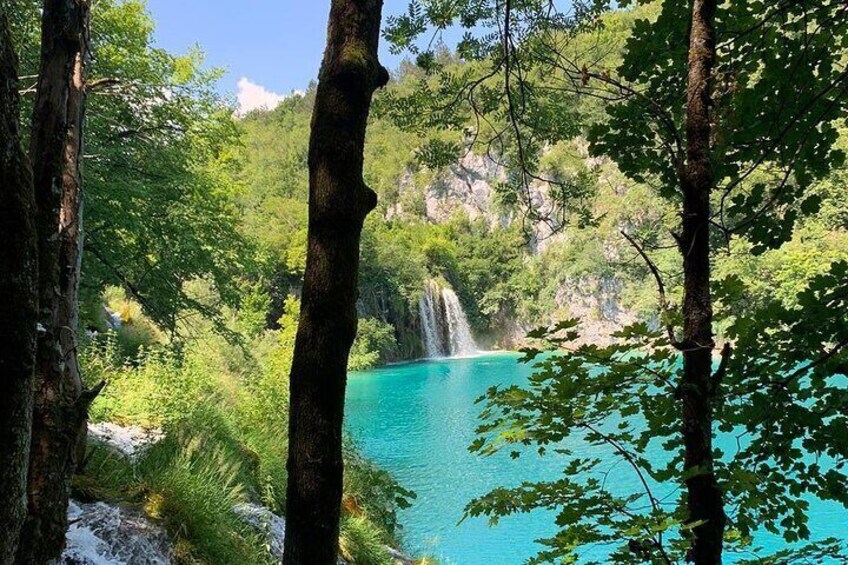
[450, 216]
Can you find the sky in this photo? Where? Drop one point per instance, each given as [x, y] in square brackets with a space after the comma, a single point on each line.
[270, 48]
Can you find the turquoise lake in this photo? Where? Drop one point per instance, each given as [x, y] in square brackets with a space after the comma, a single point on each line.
[417, 420]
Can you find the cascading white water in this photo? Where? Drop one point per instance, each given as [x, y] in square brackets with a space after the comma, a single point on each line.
[461, 341]
[428, 308]
[444, 326]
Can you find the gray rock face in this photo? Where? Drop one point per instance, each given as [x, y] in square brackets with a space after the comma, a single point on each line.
[264, 521]
[270, 525]
[113, 319]
[101, 534]
[468, 186]
[399, 558]
[595, 300]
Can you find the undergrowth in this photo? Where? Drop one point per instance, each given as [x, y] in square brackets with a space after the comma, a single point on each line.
[223, 412]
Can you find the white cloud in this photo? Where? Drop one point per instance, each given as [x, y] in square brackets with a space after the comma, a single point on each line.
[252, 96]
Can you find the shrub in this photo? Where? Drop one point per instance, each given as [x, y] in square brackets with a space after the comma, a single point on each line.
[373, 339]
[361, 543]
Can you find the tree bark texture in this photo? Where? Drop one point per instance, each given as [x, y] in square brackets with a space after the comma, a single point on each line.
[59, 405]
[339, 201]
[705, 504]
[70, 253]
[18, 302]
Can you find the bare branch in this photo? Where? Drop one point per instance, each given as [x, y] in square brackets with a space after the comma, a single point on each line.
[94, 85]
[664, 305]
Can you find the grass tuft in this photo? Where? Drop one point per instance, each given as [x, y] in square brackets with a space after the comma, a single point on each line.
[361, 543]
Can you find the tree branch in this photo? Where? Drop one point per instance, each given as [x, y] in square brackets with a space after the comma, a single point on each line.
[721, 372]
[664, 305]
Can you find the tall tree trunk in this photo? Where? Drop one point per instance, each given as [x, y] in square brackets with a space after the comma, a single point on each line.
[18, 302]
[60, 409]
[704, 500]
[339, 201]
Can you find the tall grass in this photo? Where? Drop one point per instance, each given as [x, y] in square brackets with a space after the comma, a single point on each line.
[361, 542]
[194, 485]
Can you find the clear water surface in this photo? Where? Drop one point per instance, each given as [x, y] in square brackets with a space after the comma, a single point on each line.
[417, 420]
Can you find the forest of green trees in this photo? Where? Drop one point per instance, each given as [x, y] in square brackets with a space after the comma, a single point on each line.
[647, 199]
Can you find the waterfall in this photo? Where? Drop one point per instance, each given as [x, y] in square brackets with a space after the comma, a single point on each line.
[430, 309]
[444, 326]
[461, 340]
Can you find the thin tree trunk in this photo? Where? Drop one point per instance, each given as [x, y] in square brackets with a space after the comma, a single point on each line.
[339, 201]
[704, 500]
[70, 255]
[60, 409]
[18, 302]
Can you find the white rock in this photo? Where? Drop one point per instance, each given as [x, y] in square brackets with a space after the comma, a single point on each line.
[129, 440]
[113, 319]
[101, 534]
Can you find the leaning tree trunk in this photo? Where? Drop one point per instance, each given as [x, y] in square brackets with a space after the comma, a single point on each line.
[339, 201]
[60, 409]
[18, 302]
[705, 505]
